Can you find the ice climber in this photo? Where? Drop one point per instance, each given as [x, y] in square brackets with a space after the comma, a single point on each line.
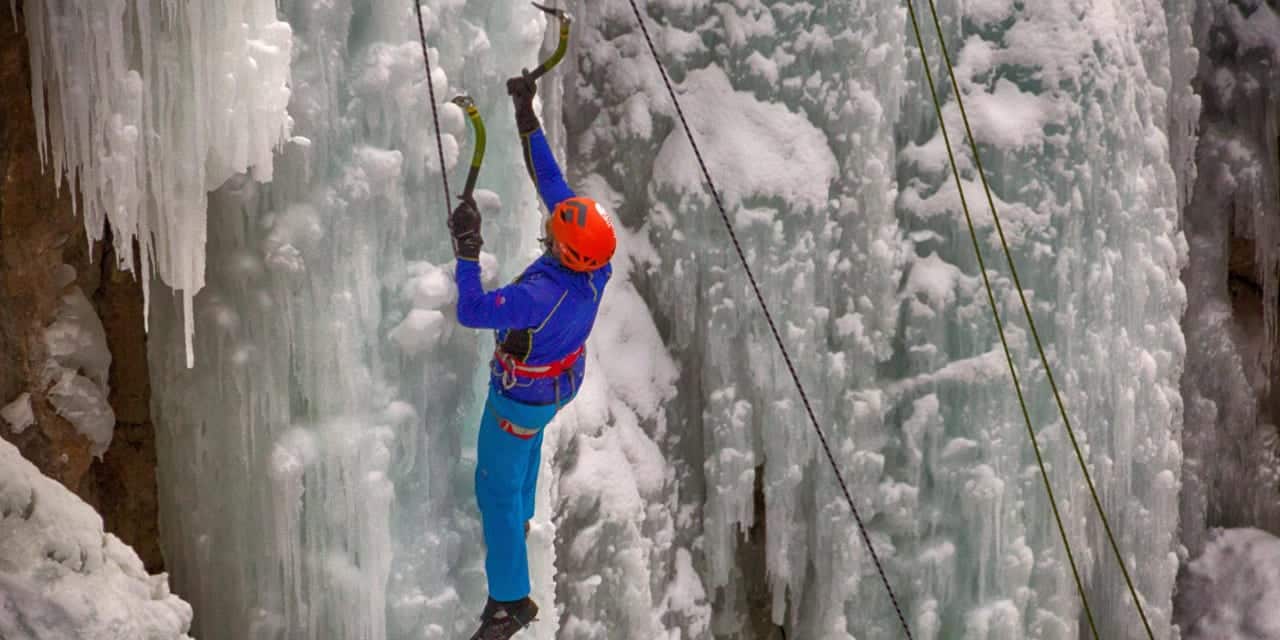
[542, 321]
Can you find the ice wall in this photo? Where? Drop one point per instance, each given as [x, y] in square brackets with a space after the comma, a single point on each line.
[838, 184]
[317, 468]
[815, 211]
[1233, 223]
[143, 106]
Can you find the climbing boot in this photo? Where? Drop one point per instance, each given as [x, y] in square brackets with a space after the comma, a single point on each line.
[501, 620]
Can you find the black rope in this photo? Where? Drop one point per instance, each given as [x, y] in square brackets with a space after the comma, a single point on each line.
[862, 529]
[435, 116]
[995, 311]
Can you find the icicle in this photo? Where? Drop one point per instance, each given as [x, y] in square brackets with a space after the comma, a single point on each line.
[144, 137]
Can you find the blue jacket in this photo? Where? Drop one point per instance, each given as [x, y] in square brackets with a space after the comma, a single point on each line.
[546, 313]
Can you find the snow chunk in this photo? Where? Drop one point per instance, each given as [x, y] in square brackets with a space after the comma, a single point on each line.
[986, 12]
[64, 577]
[84, 404]
[1009, 117]
[76, 339]
[18, 413]
[429, 287]
[419, 331]
[77, 370]
[1233, 589]
[934, 280]
[753, 148]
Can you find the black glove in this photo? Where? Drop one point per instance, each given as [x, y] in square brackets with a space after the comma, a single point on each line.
[464, 226]
[522, 89]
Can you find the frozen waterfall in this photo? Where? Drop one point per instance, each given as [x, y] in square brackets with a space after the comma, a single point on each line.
[316, 462]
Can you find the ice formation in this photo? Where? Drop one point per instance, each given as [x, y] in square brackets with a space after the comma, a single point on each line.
[1232, 461]
[63, 577]
[1233, 589]
[143, 106]
[75, 375]
[879, 297]
[316, 467]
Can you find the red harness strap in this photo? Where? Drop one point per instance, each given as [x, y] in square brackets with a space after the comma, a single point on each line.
[549, 370]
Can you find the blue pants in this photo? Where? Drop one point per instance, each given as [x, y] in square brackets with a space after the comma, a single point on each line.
[508, 456]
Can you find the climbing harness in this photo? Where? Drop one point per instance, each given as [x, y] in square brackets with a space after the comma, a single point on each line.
[786, 357]
[512, 367]
[1026, 309]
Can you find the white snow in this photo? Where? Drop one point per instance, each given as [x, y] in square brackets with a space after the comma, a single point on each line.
[18, 413]
[419, 330]
[1232, 590]
[62, 577]
[768, 150]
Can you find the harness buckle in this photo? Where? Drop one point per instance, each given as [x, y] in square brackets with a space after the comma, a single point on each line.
[507, 363]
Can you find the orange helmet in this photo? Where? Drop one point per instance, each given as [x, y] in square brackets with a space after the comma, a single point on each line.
[581, 234]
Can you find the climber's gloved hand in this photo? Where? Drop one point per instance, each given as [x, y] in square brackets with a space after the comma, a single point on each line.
[522, 89]
[464, 226]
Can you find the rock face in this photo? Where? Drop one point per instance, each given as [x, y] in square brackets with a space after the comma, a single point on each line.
[36, 225]
[39, 234]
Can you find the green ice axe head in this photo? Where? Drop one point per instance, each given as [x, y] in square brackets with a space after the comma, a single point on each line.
[565, 21]
[477, 156]
[464, 101]
[564, 16]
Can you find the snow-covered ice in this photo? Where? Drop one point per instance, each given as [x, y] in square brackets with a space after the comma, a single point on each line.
[62, 576]
[1232, 590]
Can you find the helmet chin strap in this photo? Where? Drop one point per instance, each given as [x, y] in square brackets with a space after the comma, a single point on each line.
[548, 243]
[549, 247]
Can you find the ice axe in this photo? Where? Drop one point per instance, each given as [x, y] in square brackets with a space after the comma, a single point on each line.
[477, 155]
[565, 21]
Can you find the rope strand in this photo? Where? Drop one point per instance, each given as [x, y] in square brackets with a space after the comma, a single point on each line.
[435, 116]
[1026, 309]
[786, 357]
[995, 313]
